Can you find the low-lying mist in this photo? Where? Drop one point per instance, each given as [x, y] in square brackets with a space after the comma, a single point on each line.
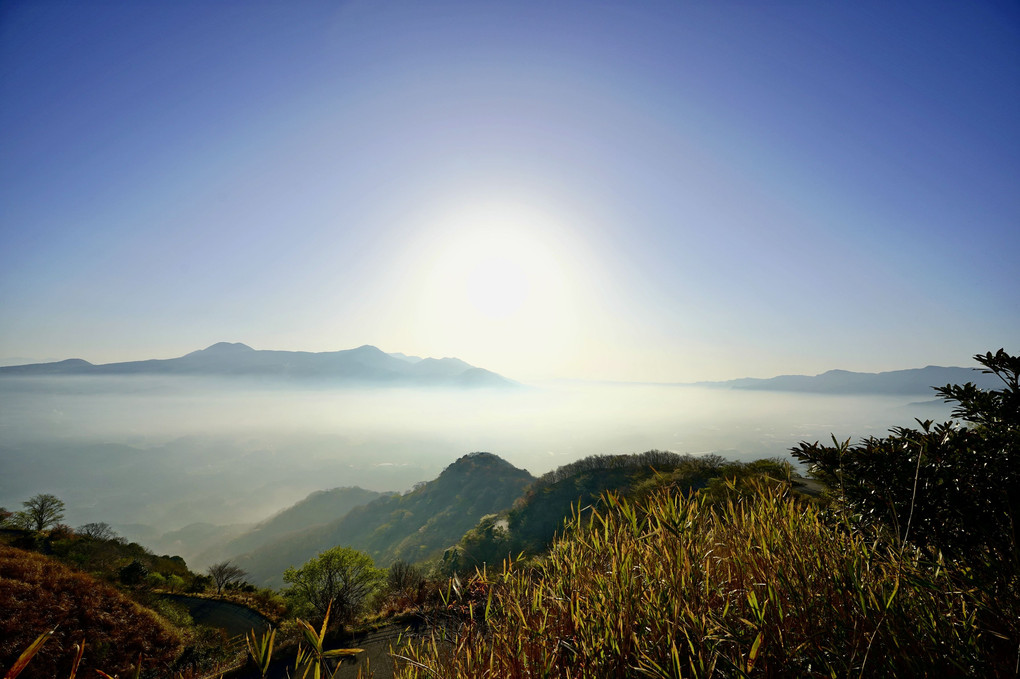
[152, 455]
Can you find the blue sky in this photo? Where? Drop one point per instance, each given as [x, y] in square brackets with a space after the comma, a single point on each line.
[634, 191]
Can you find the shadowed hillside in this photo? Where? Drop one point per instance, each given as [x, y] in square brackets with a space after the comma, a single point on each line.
[415, 526]
[319, 508]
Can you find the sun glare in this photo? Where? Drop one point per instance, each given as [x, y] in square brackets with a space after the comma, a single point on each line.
[499, 278]
[498, 286]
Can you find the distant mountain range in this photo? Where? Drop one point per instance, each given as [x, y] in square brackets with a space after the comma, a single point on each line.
[366, 365]
[370, 365]
[894, 382]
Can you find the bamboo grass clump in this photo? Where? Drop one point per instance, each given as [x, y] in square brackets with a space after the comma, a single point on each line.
[672, 586]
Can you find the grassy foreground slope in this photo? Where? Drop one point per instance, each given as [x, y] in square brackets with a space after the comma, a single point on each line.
[672, 586]
[39, 594]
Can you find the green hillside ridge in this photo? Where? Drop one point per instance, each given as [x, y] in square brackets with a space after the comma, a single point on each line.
[530, 526]
[192, 541]
[415, 526]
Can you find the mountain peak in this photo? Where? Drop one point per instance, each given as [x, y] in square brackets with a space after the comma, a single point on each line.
[476, 461]
[369, 349]
[405, 357]
[366, 365]
[224, 347]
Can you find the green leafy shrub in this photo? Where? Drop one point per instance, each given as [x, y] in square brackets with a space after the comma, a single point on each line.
[340, 579]
[953, 488]
[174, 583]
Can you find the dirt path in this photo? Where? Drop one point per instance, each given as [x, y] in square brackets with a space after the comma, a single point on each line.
[377, 645]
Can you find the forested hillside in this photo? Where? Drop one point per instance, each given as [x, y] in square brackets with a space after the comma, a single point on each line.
[528, 528]
[415, 526]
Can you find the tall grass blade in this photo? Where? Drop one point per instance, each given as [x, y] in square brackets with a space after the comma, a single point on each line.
[28, 654]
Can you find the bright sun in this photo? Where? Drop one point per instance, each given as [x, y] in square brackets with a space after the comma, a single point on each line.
[495, 272]
[498, 286]
[498, 278]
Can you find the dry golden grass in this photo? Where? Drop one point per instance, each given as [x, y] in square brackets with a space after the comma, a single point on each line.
[39, 594]
[671, 586]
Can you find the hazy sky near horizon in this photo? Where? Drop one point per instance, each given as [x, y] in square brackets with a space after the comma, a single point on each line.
[658, 191]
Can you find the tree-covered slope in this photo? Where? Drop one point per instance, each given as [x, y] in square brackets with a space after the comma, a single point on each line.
[415, 526]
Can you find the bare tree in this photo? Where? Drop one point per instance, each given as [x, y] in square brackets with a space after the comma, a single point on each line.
[96, 531]
[404, 578]
[224, 573]
[43, 510]
[19, 520]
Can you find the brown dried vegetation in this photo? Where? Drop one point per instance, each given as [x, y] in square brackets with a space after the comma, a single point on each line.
[39, 594]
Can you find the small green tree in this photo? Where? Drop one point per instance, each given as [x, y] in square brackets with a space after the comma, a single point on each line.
[20, 521]
[174, 583]
[341, 578]
[43, 510]
[155, 580]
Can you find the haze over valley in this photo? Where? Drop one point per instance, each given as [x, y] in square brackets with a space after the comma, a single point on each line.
[154, 451]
